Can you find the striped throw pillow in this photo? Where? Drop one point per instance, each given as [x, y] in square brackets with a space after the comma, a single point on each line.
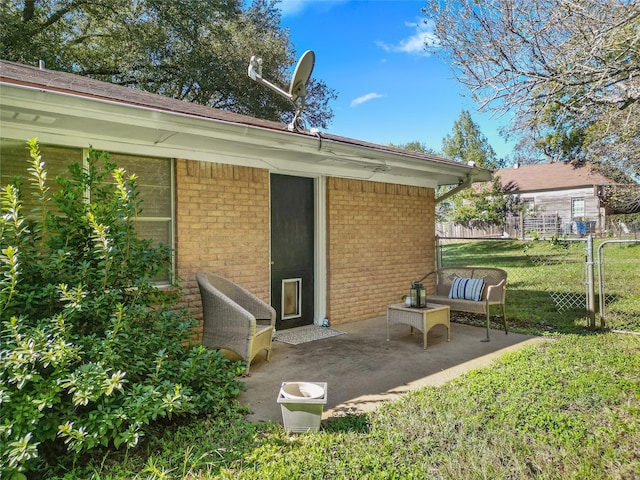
[467, 288]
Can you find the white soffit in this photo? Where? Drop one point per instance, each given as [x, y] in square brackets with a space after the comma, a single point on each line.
[74, 120]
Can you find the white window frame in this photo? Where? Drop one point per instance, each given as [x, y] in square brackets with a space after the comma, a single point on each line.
[575, 212]
[529, 204]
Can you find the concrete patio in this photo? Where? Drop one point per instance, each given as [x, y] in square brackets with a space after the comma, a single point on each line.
[362, 369]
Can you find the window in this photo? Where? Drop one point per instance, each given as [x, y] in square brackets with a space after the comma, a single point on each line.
[528, 205]
[577, 208]
[154, 184]
[14, 158]
[155, 181]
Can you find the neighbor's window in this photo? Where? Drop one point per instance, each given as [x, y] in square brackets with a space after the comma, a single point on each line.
[155, 180]
[528, 205]
[577, 208]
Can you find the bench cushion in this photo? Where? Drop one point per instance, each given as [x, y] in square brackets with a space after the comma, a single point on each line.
[467, 288]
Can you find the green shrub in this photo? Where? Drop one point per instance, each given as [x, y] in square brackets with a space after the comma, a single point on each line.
[92, 351]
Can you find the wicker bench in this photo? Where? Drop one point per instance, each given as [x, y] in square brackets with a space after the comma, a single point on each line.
[495, 282]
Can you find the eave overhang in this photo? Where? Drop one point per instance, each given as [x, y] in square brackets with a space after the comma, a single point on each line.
[79, 120]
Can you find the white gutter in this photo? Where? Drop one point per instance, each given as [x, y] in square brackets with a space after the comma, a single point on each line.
[157, 129]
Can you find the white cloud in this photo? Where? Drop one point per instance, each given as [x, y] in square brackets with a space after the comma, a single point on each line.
[365, 98]
[414, 44]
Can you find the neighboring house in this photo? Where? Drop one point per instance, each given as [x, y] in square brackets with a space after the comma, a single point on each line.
[315, 224]
[558, 198]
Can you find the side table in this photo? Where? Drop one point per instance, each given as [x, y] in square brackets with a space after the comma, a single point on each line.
[424, 319]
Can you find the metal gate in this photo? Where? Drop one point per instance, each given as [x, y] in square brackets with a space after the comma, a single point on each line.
[619, 299]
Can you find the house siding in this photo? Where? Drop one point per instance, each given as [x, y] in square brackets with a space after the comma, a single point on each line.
[222, 226]
[552, 216]
[380, 237]
[551, 187]
[560, 202]
[557, 205]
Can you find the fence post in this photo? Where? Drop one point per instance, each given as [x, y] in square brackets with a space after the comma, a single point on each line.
[591, 301]
[602, 298]
[438, 253]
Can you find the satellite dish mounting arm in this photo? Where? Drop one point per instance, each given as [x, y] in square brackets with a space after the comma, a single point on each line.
[297, 88]
[255, 73]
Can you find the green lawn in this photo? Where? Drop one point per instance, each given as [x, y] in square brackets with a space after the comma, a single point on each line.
[546, 283]
[567, 408]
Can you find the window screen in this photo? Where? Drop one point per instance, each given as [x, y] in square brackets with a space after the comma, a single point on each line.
[15, 159]
[154, 182]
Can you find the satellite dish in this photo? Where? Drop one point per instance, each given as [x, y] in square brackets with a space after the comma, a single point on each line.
[301, 75]
[297, 87]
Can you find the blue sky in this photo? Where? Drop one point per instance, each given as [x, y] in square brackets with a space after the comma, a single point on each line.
[389, 89]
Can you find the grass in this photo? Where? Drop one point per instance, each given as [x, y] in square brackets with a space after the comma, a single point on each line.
[546, 287]
[568, 408]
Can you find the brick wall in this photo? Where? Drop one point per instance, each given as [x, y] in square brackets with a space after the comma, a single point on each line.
[379, 237]
[222, 226]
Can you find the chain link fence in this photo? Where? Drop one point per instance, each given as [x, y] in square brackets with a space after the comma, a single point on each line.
[548, 279]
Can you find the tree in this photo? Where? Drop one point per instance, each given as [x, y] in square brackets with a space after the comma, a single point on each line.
[416, 146]
[193, 50]
[473, 207]
[467, 143]
[558, 67]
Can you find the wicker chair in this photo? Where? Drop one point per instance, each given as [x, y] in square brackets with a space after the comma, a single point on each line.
[234, 319]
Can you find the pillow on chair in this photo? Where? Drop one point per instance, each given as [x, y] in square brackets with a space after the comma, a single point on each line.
[467, 288]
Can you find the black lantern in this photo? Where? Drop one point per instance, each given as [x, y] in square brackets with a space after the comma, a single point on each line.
[418, 295]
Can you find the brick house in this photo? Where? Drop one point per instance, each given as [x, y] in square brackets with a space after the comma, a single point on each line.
[315, 224]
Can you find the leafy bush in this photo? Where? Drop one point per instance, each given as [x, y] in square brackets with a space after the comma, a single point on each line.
[92, 351]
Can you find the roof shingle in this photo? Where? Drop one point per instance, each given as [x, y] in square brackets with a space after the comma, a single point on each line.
[550, 176]
[34, 77]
